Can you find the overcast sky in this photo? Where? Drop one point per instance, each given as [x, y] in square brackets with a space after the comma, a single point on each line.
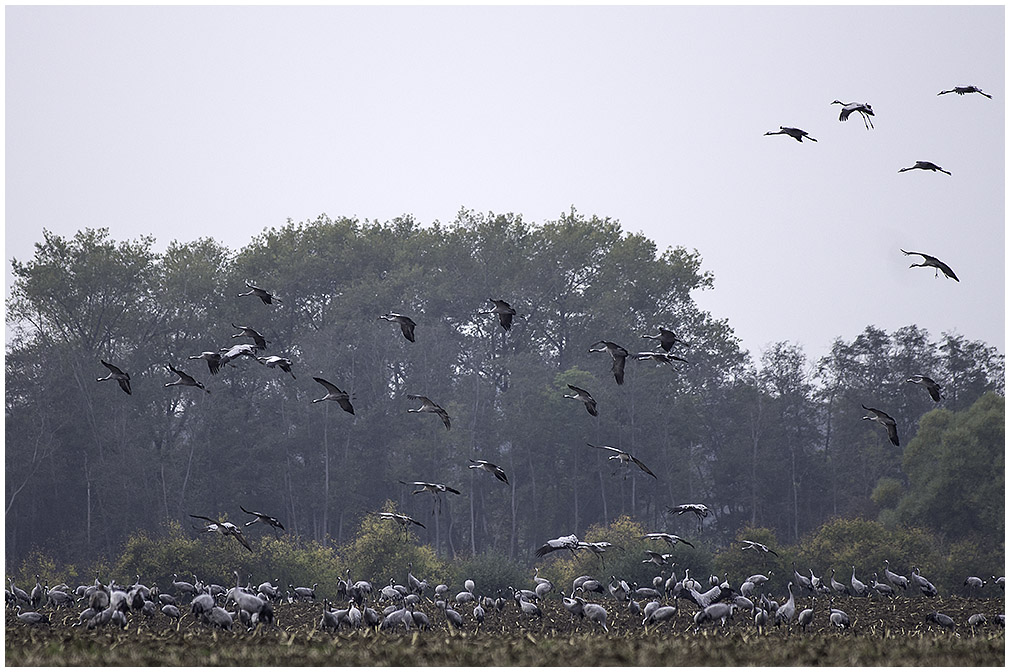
[183, 122]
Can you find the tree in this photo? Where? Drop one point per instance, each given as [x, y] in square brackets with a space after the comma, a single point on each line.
[956, 472]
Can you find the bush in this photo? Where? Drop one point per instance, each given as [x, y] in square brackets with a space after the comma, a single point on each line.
[624, 560]
[490, 572]
[381, 552]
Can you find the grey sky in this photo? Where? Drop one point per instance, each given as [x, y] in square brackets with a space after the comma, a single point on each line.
[190, 121]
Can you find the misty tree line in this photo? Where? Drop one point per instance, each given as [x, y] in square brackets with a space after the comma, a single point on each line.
[777, 443]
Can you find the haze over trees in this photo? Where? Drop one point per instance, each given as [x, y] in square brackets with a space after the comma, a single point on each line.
[771, 441]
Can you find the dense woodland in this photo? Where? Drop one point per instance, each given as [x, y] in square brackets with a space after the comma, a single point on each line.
[766, 440]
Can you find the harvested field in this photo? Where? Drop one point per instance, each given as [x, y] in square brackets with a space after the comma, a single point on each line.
[883, 632]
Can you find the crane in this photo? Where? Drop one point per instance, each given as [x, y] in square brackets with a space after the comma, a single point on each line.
[504, 311]
[484, 465]
[406, 324]
[261, 343]
[795, 133]
[666, 337]
[274, 361]
[118, 375]
[757, 547]
[625, 458]
[961, 90]
[929, 260]
[863, 109]
[617, 354]
[213, 360]
[264, 295]
[429, 406]
[570, 542]
[185, 379]
[931, 386]
[584, 397]
[225, 529]
[925, 165]
[334, 393]
[885, 420]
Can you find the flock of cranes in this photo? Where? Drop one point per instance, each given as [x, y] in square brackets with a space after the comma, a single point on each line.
[716, 604]
[395, 607]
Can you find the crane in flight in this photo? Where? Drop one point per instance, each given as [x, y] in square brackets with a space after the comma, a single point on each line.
[863, 109]
[404, 520]
[429, 406]
[224, 528]
[625, 458]
[504, 311]
[961, 90]
[484, 465]
[795, 133]
[264, 295]
[334, 393]
[406, 324]
[931, 261]
[666, 338]
[931, 386]
[885, 420]
[185, 379]
[925, 165]
[617, 353]
[261, 343]
[584, 397]
[118, 375]
[757, 547]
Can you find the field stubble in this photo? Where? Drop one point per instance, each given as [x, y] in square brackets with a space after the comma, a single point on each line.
[884, 632]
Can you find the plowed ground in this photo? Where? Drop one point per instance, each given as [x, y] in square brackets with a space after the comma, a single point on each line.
[884, 632]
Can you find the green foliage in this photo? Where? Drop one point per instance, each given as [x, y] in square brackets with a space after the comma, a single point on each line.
[49, 570]
[490, 572]
[887, 493]
[955, 467]
[380, 551]
[213, 558]
[737, 564]
[843, 543]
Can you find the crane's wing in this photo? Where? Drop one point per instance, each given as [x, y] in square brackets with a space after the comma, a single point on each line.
[112, 367]
[618, 451]
[330, 387]
[193, 515]
[453, 490]
[445, 416]
[618, 367]
[642, 466]
[241, 539]
[125, 384]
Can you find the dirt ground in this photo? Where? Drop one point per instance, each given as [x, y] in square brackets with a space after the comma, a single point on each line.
[883, 632]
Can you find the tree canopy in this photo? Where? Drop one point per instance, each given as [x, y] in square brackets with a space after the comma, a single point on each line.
[777, 442]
